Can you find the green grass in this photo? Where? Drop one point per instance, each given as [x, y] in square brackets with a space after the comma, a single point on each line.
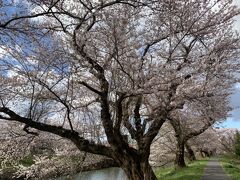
[193, 171]
[231, 165]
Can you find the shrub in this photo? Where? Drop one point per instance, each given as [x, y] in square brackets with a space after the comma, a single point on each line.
[237, 143]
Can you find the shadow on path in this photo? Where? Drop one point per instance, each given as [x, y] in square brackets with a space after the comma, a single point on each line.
[214, 171]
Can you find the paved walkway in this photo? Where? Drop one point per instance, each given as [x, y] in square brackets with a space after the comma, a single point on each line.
[214, 171]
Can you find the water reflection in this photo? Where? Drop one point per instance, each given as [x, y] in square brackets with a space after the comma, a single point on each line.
[103, 174]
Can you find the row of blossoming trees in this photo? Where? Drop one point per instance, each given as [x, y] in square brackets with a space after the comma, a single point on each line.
[124, 66]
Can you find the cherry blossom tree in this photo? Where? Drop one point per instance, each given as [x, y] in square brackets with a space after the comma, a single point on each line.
[124, 66]
[195, 120]
[226, 140]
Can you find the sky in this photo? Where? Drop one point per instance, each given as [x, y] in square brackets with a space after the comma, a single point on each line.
[234, 120]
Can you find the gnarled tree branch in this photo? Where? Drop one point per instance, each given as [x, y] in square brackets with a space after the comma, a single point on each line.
[82, 143]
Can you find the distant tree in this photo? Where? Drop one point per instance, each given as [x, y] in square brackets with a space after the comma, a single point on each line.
[190, 151]
[226, 140]
[195, 120]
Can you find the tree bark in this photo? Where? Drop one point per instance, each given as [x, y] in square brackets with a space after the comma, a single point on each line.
[191, 153]
[179, 160]
[136, 170]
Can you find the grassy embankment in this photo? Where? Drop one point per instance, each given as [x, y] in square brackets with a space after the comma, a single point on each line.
[231, 165]
[193, 171]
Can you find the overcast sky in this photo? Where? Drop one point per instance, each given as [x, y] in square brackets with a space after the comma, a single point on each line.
[234, 120]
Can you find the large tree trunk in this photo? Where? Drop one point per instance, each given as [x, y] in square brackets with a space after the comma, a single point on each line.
[179, 159]
[138, 171]
[135, 166]
[191, 153]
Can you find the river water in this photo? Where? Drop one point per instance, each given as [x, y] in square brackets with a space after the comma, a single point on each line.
[103, 174]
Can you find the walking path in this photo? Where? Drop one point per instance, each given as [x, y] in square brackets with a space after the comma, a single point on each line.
[214, 171]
